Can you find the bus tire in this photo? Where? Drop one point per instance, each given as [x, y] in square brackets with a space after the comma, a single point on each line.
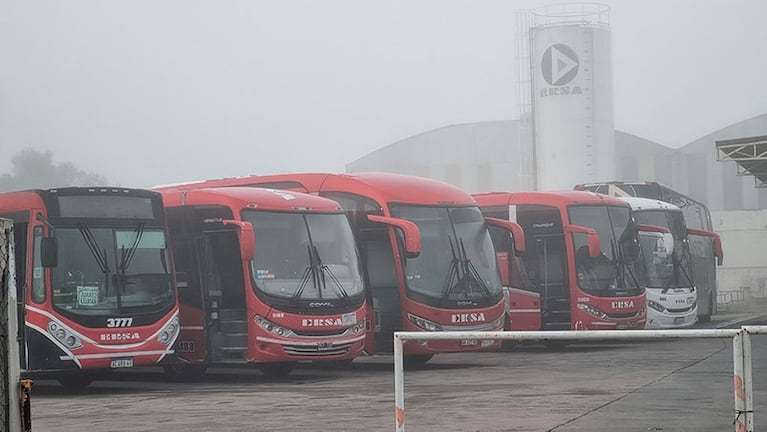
[183, 372]
[75, 381]
[411, 362]
[711, 309]
[277, 369]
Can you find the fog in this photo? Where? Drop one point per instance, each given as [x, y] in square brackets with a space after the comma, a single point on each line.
[147, 92]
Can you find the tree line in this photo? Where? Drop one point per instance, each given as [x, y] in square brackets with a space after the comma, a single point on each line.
[34, 169]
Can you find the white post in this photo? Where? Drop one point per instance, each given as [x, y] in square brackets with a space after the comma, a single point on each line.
[748, 381]
[739, 382]
[399, 385]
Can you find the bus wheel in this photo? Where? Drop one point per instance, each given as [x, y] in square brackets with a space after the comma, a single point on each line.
[416, 361]
[75, 381]
[182, 372]
[276, 370]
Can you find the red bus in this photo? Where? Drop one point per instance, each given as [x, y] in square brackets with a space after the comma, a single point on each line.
[580, 267]
[269, 277]
[428, 259]
[96, 278]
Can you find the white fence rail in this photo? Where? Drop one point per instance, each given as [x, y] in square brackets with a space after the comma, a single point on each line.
[743, 390]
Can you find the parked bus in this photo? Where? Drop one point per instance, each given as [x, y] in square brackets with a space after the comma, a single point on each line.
[671, 298]
[706, 254]
[95, 280]
[581, 261]
[269, 277]
[428, 259]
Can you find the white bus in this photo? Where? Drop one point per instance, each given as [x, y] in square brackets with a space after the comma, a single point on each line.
[668, 270]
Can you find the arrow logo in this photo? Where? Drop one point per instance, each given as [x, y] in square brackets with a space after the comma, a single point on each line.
[559, 65]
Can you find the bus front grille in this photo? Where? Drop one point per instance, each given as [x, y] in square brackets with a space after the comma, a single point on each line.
[320, 349]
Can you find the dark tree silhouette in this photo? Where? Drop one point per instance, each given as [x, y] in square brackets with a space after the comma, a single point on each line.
[35, 169]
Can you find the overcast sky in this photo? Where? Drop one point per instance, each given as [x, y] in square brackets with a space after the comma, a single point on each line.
[150, 92]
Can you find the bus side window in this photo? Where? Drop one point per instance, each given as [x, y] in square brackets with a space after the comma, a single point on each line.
[38, 273]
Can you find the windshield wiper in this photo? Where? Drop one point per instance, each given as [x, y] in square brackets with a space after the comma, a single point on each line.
[95, 249]
[622, 264]
[308, 271]
[126, 256]
[330, 273]
[679, 262]
[470, 269]
[452, 278]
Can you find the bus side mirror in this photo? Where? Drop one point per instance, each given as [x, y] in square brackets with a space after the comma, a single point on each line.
[592, 237]
[49, 252]
[246, 236]
[518, 234]
[718, 252]
[409, 229]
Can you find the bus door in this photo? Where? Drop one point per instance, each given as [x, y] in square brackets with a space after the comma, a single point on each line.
[191, 340]
[381, 274]
[223, 294]
[552, 282]
[545, 262]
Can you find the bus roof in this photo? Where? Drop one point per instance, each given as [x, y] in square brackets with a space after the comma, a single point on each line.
[239, 198]
[37, 198]
[381, 187]
[553, 198]
[639, 204]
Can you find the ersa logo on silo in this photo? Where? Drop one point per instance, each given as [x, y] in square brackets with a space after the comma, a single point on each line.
[559, 66]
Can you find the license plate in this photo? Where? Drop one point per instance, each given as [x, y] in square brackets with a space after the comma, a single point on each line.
[622, 326]
[121, 363]
[324, 346]
[185, 347]
[678, 320]
[469, 342]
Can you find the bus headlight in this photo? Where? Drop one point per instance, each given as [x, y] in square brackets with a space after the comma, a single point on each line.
[169, 332]
[270, 326]
[360, 326]
[64, 335]
[655, 305]
[592, 310]
[498, 323]
[424, 323]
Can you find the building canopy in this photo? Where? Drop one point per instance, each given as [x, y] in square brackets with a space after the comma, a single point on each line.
[749, 153]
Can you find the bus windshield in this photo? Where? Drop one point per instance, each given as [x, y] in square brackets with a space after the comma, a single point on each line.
[306, 256]
[108, 271]
[457, 260]
[668, 266]
[664, 267]
[614, 271]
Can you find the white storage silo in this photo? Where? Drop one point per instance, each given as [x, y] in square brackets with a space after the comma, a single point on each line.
[572, 97]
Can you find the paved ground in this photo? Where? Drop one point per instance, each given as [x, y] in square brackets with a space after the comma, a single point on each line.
[669, 386]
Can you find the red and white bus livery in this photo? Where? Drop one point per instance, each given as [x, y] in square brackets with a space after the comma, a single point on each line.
[270, 277]
[580, 268]
[96, 277]
[428, 257]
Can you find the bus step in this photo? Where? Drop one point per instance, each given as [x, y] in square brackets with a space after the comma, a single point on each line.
[234, 326]
[562, 325]
[232, 339]
[232, 315]
[232, 353]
